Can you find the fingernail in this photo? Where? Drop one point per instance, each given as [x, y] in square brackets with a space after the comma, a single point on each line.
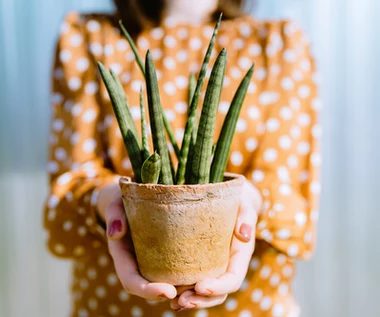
[190, 306]
[115, 227]
[246, 231]
[180, 308]
[206, 292]
[162, 297]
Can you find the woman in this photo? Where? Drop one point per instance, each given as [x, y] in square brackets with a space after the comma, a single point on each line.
[275, 147]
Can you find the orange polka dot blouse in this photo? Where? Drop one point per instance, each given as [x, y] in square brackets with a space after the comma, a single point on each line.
[275, 146]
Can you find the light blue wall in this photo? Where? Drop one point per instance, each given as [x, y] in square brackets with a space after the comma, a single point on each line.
[28, 31]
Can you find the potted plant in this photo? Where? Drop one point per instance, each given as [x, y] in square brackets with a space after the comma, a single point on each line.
[181, 220]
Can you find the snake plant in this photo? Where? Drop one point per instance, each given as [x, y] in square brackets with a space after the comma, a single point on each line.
[199, 160]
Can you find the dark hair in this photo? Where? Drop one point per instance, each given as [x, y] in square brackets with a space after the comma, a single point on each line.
[135, 13]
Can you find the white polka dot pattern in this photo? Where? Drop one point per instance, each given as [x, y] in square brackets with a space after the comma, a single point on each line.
[275, 146]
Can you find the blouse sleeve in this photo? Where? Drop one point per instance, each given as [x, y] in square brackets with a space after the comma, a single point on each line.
[77, 157]
[286, 164]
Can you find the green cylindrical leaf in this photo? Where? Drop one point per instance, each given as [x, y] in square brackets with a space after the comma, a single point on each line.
[133, 47]
[121, 113]
[156, 120]
[171, 136]
[190, 159]
[213, 149]
[192, 86]
[144, 132]
[142, 68]
[172, 167]
[200, 171]
[123, 99]
[190, 94]
[150, 171]
[193, 109]
[191, 90]
[223, 147]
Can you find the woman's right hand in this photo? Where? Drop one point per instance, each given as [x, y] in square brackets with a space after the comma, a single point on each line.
[110, 206]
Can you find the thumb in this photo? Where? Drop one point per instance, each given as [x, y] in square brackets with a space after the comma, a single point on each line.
[115, 219]
[248, 213]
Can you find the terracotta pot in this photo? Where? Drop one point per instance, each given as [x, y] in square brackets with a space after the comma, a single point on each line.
[182, 234]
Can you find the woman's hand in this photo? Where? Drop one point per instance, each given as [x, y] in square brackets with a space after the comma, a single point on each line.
[120, 246]
[214, 291]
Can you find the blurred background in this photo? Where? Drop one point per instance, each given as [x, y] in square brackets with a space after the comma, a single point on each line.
[342, 280]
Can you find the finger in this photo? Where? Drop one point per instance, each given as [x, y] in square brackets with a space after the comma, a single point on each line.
[190, 300]
[182, 289]
[254, 195]
[174, 305]
[247, 216]
[115, 219]
[243, 231]
[130, 278]
[231, 281]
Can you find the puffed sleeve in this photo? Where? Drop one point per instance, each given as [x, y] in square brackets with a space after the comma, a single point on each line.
[286, 165]
[77, 156]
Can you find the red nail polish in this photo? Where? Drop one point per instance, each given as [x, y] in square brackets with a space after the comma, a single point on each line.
[246, 231]
[115, 227]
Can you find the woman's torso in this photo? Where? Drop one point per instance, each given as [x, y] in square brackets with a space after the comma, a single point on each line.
[178, 50]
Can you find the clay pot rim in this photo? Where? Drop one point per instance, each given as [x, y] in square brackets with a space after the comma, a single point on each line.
[231, 179]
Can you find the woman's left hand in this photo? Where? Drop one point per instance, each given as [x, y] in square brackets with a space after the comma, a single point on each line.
[214, 291]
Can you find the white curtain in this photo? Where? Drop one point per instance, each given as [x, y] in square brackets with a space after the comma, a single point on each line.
[343, 279]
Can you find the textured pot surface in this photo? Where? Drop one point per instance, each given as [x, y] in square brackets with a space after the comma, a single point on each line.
[182, 234]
